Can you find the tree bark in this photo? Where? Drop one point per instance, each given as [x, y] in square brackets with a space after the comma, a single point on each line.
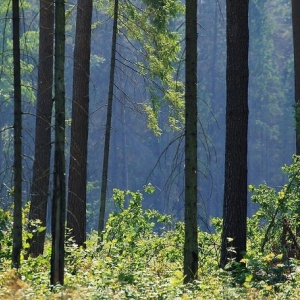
[41, 165]
[108, 122]
[76, 217]
[190, 215]
[59, 193]
[296, 39]
[237, 76]
[17, 168]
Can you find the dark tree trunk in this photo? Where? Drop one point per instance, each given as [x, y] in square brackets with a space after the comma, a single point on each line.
[237, 76]
[190, 216]
[108, 122]
[41, 165]
[17, 214]
[59, 193]
[296, 39]
[76, 217]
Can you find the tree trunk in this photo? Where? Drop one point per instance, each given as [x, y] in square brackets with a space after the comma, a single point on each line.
[237, 76]
[296, 39]
[41, 165]
[59, 193]
[17, 214]
[108, 122]
[190, 215]
[76, 217]
[124, 150]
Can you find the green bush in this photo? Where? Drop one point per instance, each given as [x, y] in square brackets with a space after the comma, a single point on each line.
[277, 220]
[141, 256]
[5, 235]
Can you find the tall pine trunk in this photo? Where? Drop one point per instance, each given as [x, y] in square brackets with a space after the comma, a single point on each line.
[59, 193]
[190, 215]
[76, 216]
[296, 39]
[17, 214]
[108, 122]
[237, 77]
[41, 165]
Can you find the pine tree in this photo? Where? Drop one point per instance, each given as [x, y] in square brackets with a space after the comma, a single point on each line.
[190, 215]
[17, 214]
[41, 166]
[237, 77]
[59, 193]
[76, 216]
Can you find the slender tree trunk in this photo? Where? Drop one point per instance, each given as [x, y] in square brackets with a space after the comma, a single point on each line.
[59, 193]
[214, 58]
[213, 206]
[17, 214]
[237, 76]
[76, 217]
[41, 165]
[296, 39]
[190, 215]
[124, 150]
[108, 122]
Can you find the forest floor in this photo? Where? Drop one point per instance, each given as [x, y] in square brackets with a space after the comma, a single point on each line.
[133, 261]
[152, 269]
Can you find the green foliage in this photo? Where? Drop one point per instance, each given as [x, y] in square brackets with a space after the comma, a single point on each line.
[152, 119]
[161, 10]
[6, 219]
[5, 235]
[147, 29]
[139, 258]
[32, 227]
[129, 231]
[271, 264]
[158, 57]
[266, 273]
[276, 207]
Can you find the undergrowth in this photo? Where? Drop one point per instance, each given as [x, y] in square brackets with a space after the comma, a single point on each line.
[140, 255]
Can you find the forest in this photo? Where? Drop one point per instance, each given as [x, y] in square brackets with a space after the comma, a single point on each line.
[150, 149]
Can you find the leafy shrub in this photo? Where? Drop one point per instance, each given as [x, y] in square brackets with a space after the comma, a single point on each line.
[129, 238]
[5, 235]
[139, 260]
[277, 220]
